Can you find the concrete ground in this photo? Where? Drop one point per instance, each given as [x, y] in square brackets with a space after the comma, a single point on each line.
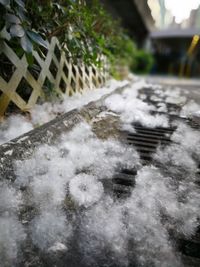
[192, 86]
[105, 124]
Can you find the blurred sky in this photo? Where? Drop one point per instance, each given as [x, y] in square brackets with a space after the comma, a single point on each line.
[172, 13]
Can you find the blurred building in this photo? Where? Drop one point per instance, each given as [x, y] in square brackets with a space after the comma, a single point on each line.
[135, 16]
[174, 41]
[176, 46]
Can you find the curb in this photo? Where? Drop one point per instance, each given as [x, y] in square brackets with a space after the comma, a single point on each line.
[23, 146]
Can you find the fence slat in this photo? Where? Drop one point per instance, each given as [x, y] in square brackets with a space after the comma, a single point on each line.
[60, 72]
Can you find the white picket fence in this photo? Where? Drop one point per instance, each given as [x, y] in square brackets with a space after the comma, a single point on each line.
[53, 68]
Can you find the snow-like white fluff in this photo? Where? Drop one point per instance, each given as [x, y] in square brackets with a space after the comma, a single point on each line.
[139, 220]
[132, 109]
[47, 111]
[85, 190]
[48, 191]
[50, 169]
[94, 155]
[173, 95]
[80, 133]
[11, 236]
[13, 127]
[57, 247]
[38, 164]
[79, 162]
[104, 227]
[162, 107]
[145, 119]
[188, 138]
[112, 225]
[153, 196]
[128, 128]
[50, 228]
[196, 113]
[178, 100]
[175, 155]
[10, 199]
[17, 125]
[11, 230]
[189, 108]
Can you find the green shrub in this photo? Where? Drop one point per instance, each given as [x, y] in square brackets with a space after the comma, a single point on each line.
[143, 62]
[87, 30]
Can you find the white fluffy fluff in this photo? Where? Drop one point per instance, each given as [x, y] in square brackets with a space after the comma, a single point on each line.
[85, 190]
[134, 110]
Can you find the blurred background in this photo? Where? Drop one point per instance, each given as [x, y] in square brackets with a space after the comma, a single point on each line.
[168, 29]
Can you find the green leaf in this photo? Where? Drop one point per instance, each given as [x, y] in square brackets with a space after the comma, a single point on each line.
[12, 18]
[5, 2]
[21, 14]
[29, 58]
[20, 3]
[17, 30]
[38, 39]
[26, 44]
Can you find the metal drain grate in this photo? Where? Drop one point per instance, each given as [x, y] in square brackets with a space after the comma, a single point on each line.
[123, 182]
[146, 140]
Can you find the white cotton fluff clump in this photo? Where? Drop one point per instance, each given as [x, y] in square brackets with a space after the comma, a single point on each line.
[171, 96]
[111, 226]
[162, 107]
[78, 100]
[48, 111]
[13, 127]
[150, 195]
[142, 96]
[48, 172]
[38, 164]
[196, 113]
[186, 215]
[132, 109]
[159, 92]
[175, 155]
[104, 227]
[11, 236]
[189, 108]
[155, 98]
[188, 138]
[11, 231]
[128, 128]
[46, 175]
[146, 120]
[41, 114]
[48, 191]
[10, 199]
[80, 133]
[178, 100]
[57, 247]
[46, 160]
[49, 228]
[179, 196]
[85, 190]
[94, 156]
[79, 162]
[17, 125]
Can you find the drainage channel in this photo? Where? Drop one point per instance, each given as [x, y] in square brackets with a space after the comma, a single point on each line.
[146, 141]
